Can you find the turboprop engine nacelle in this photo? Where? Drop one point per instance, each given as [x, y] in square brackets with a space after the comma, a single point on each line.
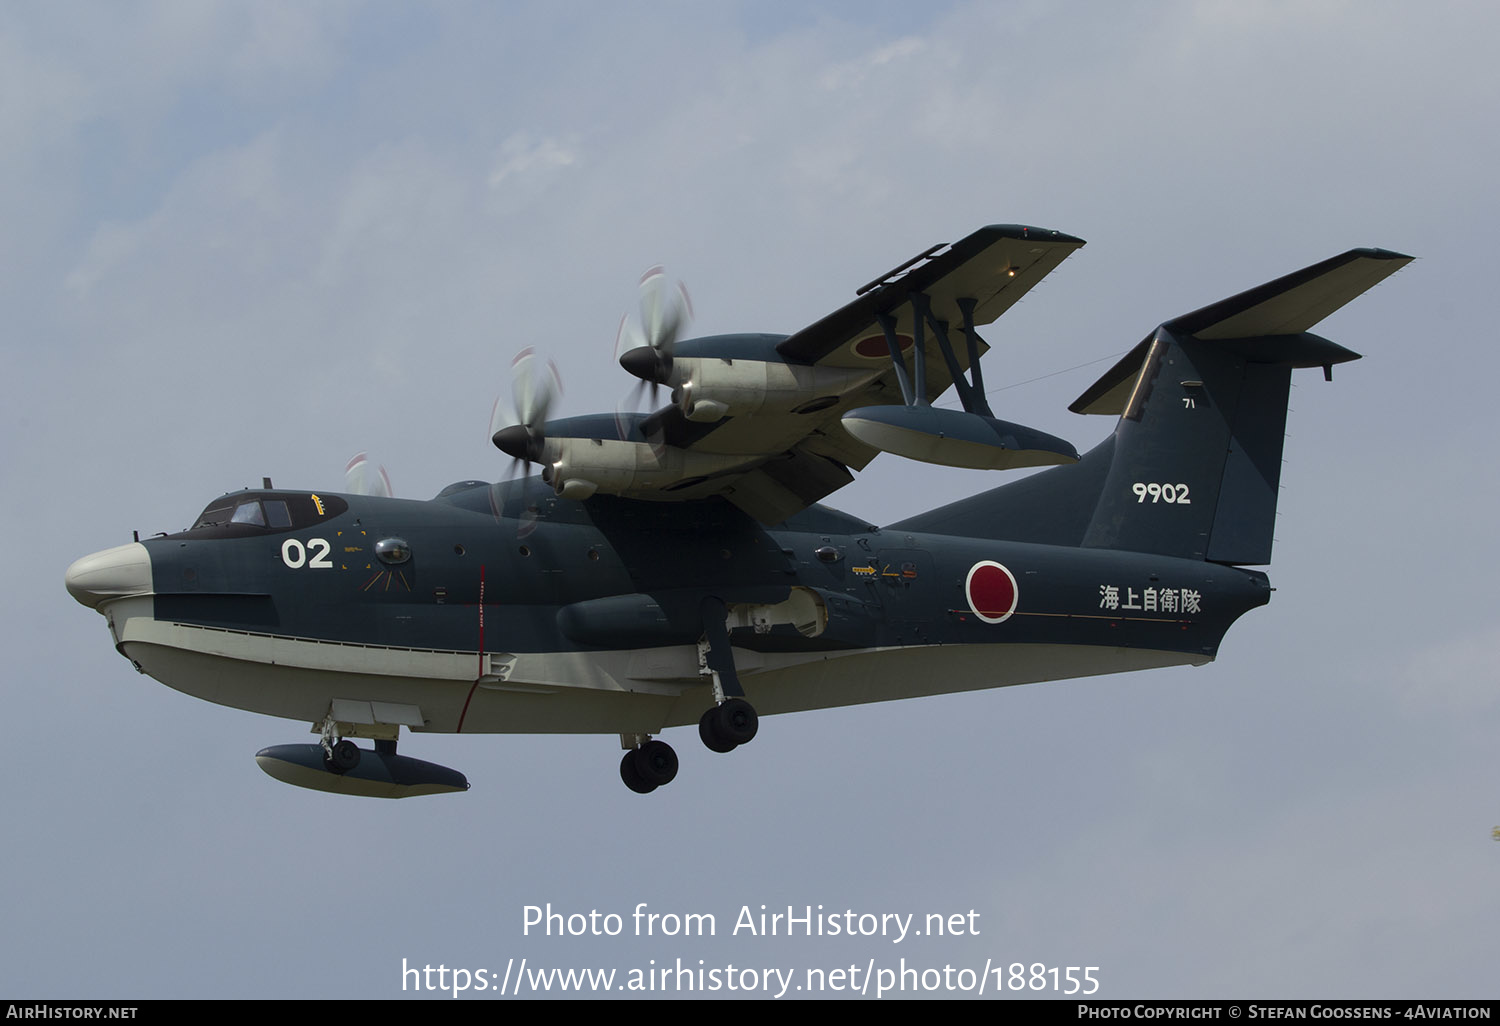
[579, 467]
[713, 388]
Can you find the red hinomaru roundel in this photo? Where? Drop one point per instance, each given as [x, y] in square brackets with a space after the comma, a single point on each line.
[875, 347]
[992, 591]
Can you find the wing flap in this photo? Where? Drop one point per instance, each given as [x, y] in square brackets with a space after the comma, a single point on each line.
[787, 485]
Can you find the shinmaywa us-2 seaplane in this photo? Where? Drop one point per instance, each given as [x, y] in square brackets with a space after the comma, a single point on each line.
[676, 567]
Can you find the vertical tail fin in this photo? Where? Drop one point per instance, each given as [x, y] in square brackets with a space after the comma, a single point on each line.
[1197, 451]
[1194, 463]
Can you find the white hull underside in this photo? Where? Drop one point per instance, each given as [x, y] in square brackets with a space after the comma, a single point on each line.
[629, 691]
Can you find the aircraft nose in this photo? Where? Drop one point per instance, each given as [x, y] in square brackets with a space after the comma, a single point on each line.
[113, 573]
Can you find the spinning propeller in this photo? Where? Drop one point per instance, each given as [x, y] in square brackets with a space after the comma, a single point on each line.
[362, 477]
[644, 347]
[536, 385]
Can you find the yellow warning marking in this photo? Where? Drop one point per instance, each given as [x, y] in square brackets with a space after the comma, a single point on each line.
[319, 503]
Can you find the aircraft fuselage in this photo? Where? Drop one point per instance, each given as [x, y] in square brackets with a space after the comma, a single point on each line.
[502, 608]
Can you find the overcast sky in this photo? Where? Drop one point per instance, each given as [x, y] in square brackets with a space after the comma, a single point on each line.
[247, 239]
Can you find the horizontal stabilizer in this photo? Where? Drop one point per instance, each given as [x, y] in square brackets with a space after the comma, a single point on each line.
[1267, 324]
[1294, 302]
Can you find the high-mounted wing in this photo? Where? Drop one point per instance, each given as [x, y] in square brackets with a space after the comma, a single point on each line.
[996, 266]
[807, 452]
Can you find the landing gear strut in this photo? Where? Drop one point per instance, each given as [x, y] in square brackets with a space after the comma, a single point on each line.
[648, 764]
[732, 722]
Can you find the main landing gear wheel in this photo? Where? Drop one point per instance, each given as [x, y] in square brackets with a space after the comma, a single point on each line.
[708, 733]
[648, 767]
[727, 726]
[344, 757]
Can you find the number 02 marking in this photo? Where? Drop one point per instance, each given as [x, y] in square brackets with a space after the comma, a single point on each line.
[296, 556]
[1158, 492]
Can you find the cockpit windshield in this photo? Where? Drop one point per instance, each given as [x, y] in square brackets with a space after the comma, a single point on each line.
[262, 513]
[259, 512]
[248, 513]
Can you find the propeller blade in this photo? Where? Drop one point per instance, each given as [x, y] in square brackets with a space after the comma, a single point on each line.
[628, 337]
[499, 418]
[521, 509]
[645, 350]
[362, 477]
[535, 384]
[629, 408]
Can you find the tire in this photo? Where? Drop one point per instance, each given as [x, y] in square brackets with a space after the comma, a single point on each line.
[632, 775]
[736, 721]
[656, 763]
[708, 732]
[345, 757]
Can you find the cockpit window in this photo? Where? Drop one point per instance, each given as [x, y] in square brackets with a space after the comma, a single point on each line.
[248, 513]
[213, 517]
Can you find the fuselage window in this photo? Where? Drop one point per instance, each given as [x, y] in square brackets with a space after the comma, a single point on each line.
[276, 513]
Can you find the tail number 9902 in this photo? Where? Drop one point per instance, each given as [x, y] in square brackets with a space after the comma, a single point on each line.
[314, 555]
[1177, 493]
